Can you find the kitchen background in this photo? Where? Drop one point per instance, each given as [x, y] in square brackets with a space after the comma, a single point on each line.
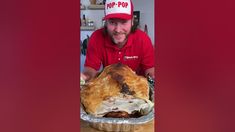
[91, 19]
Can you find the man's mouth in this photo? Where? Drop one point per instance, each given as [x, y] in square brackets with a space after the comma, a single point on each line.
[118, 36]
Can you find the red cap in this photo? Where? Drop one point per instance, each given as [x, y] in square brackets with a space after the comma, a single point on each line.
[122, 9]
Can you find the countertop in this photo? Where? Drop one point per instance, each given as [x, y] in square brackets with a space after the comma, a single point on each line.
[147, 127]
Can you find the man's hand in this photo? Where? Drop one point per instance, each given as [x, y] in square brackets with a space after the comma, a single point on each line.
[83, 76]
[150, 72]
[83, 79]
[88, 73]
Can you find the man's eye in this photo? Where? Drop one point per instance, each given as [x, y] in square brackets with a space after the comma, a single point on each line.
[111, 22]
[123, 22]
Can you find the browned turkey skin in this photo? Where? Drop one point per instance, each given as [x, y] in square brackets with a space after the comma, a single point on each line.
[115, 80]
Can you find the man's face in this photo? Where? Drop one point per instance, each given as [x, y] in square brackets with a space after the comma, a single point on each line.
[119, 29]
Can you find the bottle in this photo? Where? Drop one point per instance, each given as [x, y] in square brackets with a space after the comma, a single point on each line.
[145, 29]
[104, 2]
[83, 20]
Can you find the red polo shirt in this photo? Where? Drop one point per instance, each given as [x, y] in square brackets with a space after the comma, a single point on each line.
[137, 53]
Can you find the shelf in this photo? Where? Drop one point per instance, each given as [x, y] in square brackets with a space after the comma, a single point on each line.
[86, 28]
[82, 7]
[96, 7]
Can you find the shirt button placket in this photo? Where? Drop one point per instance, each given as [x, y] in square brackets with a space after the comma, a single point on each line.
[119, 55]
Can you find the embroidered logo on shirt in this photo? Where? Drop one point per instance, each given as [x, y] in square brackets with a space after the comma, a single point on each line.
[131, 57]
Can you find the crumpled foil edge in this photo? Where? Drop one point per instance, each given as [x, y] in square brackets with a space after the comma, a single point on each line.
[130, 121]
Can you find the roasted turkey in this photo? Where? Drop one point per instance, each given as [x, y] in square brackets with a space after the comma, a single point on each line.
[116, 92]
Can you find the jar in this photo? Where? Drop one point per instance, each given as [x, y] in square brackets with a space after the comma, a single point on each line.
[90, 23]
[93, 2]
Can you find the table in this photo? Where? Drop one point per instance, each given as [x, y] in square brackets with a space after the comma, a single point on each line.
[147, 127]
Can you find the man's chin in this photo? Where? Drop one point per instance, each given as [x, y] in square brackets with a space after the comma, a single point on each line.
[118, 42]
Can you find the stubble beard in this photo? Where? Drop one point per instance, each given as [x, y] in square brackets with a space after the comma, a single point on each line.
[119, 44]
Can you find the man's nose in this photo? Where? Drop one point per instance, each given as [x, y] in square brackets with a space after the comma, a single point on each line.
[118, 27]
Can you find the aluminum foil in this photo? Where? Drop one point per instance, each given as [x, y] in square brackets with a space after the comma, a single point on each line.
[119, 124]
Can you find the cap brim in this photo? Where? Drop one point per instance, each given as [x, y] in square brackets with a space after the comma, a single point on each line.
[118, 16]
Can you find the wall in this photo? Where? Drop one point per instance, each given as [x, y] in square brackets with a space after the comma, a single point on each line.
[146, 9]
[95, 15]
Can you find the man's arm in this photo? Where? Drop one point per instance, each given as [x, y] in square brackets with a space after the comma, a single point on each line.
[150, 72]
[88, 73]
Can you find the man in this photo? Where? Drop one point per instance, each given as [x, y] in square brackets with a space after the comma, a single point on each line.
[119, 42]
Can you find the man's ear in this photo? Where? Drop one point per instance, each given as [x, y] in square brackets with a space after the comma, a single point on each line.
[105, 23]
